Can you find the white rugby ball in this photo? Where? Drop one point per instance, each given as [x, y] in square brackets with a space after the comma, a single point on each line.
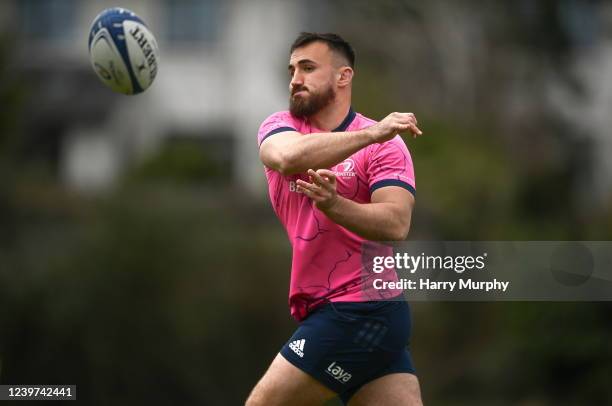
[123, 52]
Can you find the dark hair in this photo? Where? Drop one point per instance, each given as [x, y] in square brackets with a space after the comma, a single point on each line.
[335, 42]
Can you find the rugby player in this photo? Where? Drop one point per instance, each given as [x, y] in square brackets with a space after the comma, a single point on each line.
[337, 179]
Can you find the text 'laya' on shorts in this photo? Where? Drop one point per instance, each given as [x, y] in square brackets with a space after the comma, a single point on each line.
[345, 345]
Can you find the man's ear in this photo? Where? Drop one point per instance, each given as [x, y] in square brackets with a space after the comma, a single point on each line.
[345, 76]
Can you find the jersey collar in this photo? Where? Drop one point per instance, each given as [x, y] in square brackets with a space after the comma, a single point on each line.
[347, 121]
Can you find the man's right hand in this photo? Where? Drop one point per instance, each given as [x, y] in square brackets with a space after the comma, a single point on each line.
[392, 125]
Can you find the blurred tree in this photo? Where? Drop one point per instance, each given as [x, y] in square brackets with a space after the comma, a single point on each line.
[11, 99]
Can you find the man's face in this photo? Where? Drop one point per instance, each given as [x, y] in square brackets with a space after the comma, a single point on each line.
[312, 71]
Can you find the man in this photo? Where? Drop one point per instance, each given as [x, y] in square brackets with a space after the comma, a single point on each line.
[337, 179]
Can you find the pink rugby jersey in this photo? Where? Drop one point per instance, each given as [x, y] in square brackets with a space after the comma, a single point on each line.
[328, 262]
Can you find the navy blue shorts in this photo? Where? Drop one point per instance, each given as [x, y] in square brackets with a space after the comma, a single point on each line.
[345, 345]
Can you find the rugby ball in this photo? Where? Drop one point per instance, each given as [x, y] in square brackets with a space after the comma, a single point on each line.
[123, 52]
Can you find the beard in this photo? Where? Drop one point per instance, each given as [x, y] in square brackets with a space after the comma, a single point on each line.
[302, 107]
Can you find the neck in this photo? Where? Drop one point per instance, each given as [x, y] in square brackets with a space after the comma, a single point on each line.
[331, 116]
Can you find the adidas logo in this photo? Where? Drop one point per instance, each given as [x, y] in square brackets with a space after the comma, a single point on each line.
[297, 346]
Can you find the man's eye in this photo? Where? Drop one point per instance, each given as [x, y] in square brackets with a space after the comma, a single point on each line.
[309, 68]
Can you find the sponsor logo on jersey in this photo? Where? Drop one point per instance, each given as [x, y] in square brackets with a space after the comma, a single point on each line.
[293, 187]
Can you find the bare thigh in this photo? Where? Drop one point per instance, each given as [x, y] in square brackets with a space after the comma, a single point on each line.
[285, 384]
[401, 389]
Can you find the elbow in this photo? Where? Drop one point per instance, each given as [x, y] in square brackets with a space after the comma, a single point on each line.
[397, 236]
[279, 160]
[283, 166]
[401, 225]
[286, 164]
[399, 232]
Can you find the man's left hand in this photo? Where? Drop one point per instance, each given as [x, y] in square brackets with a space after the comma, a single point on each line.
[321, 189]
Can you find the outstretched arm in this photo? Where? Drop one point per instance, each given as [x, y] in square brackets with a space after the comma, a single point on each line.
[293, 152]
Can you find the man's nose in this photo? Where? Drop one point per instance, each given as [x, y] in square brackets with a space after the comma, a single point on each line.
[296, 80]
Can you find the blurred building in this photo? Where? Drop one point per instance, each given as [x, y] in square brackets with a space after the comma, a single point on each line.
[221, 70]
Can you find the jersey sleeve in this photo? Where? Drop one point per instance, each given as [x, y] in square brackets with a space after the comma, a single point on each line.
[276, 123]
[390, 164]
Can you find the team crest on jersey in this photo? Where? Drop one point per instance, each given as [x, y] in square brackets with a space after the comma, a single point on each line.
[345, 168]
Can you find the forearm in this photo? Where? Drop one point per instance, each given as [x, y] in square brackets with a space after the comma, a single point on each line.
[321, 150]
[292, 152]
[383, 221]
